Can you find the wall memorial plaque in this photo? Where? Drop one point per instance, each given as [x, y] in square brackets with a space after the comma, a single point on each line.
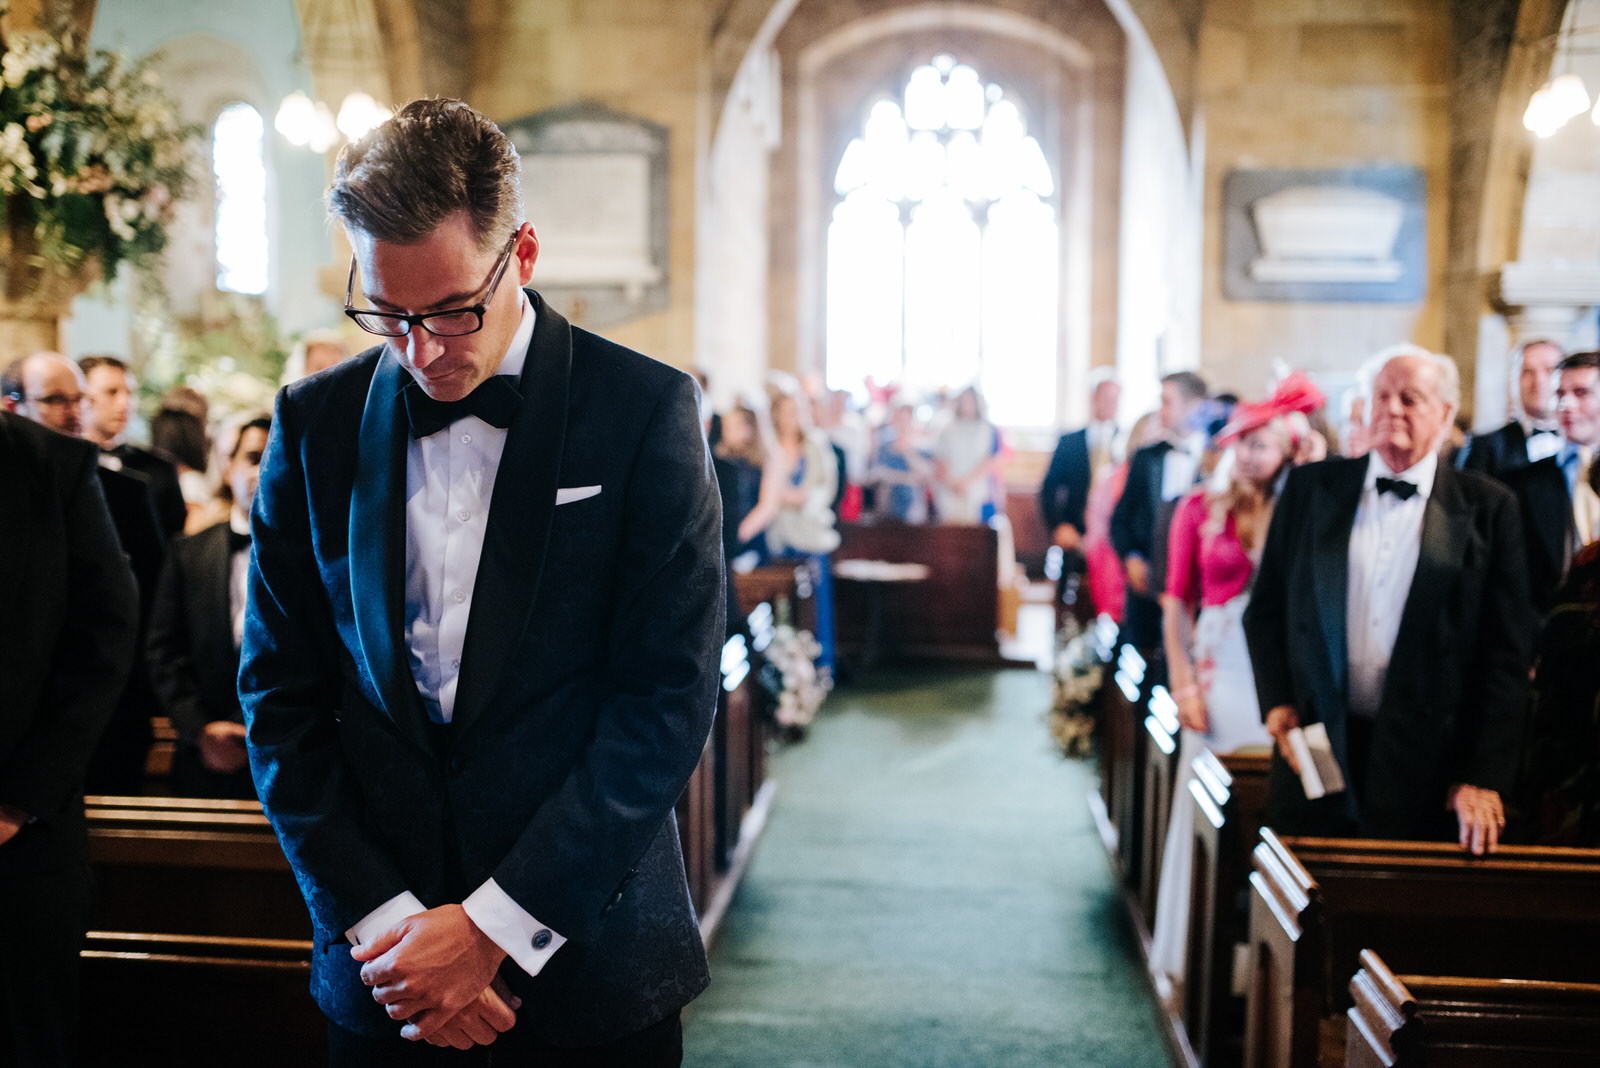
[1354, 234]
[595, 185]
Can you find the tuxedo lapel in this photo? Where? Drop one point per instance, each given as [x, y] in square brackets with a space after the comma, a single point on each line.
[377, 549]
[1444, 529]
[1336, 517]
[518, 532]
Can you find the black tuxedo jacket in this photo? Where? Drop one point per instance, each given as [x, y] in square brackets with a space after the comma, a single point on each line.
[1547, 526]
[193, 664]
[1497, 451]
[587, 685]
[1065, 490]
[1139, 527]
[165, 491]
[66, 637]
[1453, 701]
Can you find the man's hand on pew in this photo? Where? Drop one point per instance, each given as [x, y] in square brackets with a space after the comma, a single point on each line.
[482, 1021]
[428, 967]
[11, 821]
[1480, 815]
[1280, 721]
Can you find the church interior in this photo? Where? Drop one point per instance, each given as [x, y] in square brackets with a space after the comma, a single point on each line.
[930, 825]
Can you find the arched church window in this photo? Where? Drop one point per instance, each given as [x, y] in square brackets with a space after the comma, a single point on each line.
[241, 199]
[943, 249]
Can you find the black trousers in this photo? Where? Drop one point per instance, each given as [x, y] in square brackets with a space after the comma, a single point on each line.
[42, 919]
[657, 1046]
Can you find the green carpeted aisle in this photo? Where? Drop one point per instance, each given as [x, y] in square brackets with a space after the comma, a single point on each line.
[929, 892]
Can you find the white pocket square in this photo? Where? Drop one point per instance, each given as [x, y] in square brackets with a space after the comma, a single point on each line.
[576, 493]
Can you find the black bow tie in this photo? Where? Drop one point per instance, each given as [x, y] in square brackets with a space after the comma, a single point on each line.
[237, 541]
[495, 402]
[1399, 487]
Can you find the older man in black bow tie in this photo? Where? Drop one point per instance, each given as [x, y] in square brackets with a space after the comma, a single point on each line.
[1392, 607]
[481, 654]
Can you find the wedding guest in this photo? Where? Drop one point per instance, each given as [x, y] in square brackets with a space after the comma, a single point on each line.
[900, 471]
[965, 461]
[740, 459]
[196, 625]
[1103, 567]
[1216, 538]
[109, 391]
[181, 434]
[795, 505]
[1158, 475]
[1391, 605]
[1559, 795]
[66, 643]
[1079, 456]
[320, 350]
[1533, 432]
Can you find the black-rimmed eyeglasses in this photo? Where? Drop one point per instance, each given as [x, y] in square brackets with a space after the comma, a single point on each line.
[451, 322]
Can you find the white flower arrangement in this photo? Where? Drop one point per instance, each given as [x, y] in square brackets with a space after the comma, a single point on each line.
[93, 154]
[794, 654]
[1077, 673]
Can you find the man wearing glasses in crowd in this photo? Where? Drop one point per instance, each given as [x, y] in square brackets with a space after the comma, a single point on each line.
[480, 657]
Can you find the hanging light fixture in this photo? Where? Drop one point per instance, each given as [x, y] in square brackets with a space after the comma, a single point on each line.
[1564, 96]
[311, 123]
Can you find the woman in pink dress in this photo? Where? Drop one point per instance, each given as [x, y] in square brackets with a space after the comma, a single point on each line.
[1103, 566]
[1216, 539]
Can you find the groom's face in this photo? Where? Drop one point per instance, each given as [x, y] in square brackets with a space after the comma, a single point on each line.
[445, 270]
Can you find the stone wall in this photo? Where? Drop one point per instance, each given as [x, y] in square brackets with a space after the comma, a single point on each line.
[1315, 84]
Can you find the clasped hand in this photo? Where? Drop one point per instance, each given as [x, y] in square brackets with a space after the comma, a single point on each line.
[436, 972]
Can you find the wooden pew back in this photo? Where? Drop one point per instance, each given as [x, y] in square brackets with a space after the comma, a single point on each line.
[1425, 907]
[1413, 1021]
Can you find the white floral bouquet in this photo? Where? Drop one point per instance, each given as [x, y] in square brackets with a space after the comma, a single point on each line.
[93, 155]
[793, 654]
[1076, 672]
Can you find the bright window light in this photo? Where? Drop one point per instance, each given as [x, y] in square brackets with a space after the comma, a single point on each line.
[944, 247]
[241, 176]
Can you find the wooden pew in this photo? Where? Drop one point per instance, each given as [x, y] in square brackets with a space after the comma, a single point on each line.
[1228, 795]
[1121, 763]
[1414, 1021]
[197, 934]
[953, 614]
[1425, 907]
[1159, 776]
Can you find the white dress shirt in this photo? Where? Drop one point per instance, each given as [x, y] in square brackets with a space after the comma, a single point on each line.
[238, 574]
[1181, 464]
[1384, 545]
[450, 478]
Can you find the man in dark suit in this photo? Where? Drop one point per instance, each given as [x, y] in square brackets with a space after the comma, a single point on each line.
[1079, 456]
[1556, 493]
[66, 643]
[1158, 475]
[109, 390]
[1533, 432]
[480, 658]
[1391, 605]
[50, 389]
[195, 626]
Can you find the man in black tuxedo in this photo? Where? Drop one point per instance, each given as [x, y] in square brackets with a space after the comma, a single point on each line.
[480, 656]
[50, 389]
[195, 626]
[66, 643]
[1533, 432]
[1559, 504]
[109, 390]
[1391, 605]
[1158, 475]
[1079, 456]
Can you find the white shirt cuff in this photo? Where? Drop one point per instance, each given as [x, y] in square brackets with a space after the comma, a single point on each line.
[508, 925]
[384, 917]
